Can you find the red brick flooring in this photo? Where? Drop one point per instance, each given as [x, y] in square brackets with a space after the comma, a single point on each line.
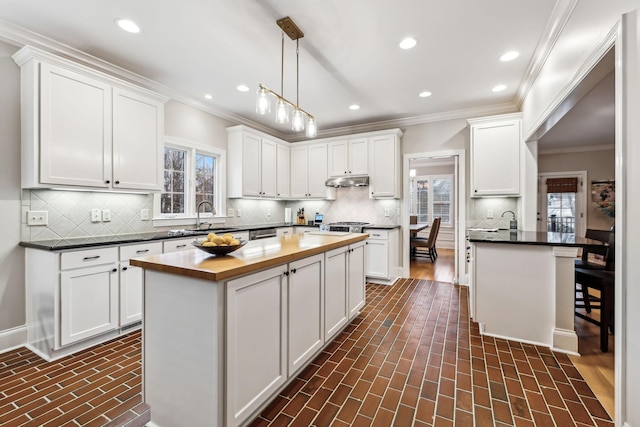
[96, 387]
[413, 358]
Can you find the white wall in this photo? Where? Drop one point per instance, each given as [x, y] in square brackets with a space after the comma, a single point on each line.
[12, 295]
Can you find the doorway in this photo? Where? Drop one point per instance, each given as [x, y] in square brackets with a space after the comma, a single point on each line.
[562, 202]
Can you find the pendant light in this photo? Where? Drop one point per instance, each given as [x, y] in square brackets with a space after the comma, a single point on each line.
[283, 105]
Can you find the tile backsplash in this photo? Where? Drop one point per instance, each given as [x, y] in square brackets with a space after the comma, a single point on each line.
[499, 205]
[70, 212]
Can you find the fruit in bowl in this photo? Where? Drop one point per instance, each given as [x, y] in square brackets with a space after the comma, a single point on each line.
[219, 245]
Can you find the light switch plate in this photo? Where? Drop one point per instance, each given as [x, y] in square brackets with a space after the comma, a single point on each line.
[106, 215]
[238, 213]
[95, 215]
[37, 217]
[489, 213]
[230, 213]
[144, 214]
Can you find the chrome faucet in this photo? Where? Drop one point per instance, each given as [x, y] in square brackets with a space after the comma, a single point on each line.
[204, 202]
[513, 224]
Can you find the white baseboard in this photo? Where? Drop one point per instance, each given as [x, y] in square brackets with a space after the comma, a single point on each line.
[13, 338]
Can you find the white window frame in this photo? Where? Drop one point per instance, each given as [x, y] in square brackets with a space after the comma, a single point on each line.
[220, 190]
[430, 204]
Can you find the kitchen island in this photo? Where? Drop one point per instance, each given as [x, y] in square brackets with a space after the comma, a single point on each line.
[223, 335]
[523, 287]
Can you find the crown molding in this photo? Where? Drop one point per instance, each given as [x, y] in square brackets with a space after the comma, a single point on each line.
[555, 25]
[581, 149]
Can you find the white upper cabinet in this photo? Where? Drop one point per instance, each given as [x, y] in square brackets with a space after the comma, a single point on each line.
[283, 165]
[253, 169]
[349, 157]
[309, 171]
[495, 155]
[84, 129]
[384, 166]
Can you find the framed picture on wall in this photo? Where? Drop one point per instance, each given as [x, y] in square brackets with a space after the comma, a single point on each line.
[603, 191]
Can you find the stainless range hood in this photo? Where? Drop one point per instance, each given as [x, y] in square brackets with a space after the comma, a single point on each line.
[348, 181]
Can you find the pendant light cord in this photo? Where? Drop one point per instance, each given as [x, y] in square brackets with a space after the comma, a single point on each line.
[297, 73]
[282, 66]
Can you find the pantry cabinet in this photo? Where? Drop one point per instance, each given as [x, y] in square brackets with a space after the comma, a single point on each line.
[309, 171]
[495, 155]
[348, 157]
[84, 129]
[253, 165]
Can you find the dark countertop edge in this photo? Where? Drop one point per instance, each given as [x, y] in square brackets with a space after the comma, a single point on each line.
[382, 227]
[61, 245]
[530, 238]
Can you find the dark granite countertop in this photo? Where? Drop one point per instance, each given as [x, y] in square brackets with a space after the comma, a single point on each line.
[382, 227]
[531, 238]
[119, 239]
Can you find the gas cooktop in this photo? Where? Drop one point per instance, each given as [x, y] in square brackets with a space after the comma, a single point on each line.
[350, 226]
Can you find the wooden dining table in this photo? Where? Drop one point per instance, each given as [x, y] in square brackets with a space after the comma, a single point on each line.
[414, 229]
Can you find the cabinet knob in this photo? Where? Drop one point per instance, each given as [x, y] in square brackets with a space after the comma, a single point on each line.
[107, 182]
[114, 270]
[475, 191]
[293, 270]
[124, 268]
[286, 273]
[117, 182]
[349, 171]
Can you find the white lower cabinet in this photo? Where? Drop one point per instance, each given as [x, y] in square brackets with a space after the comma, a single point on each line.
[88, 302]
[356, 279]
[256, 339]
[382, 255]
[131, 280]
[306, 310]
[336, 287]
[175, 245]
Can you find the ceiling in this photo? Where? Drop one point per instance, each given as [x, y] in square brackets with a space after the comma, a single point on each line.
[349, 53]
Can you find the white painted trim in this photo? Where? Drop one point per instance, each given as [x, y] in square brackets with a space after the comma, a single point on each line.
[564, 339]
[13, 338]
[461, 209]
[581, 149]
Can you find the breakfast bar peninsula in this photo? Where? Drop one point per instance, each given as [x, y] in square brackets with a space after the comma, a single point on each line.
[523, 288]
[223, 335]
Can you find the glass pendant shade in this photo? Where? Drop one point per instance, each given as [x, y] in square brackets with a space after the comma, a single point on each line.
[297, 124]
[282, 112]
[312, 131]
[263, 106]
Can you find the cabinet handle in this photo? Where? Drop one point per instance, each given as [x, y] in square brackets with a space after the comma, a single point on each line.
[117, 182]
[475, 191]
[181, 246]
[124, 268]
[286, 273]
[107, 182]
[349, 171]
[293, 270]
[90, 258]
[142, 251]
[114, 270]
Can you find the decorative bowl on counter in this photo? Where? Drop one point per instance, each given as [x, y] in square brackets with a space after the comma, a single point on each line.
[221, 249]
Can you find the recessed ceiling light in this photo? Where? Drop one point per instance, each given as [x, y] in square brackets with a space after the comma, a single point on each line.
[509, 56]
[354, 107]
[208, 96]
[243, 88]
[499, 88]
[128, 25]
[424, 94]
[408, 43]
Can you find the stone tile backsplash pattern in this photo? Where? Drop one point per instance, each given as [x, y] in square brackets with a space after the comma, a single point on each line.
[499, 205]
[70, 212]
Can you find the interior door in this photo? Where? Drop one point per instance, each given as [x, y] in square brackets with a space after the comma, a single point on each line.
[562, 212]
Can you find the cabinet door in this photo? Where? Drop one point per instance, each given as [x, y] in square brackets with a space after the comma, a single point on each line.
[131, 279]
[282, 174]
[356, 279]
[268, 168]
[306, 310]
[382, 165]
[338, 158]
[317, 170]
[335, 291]
[495, 159]
[359, 156]
[138, 147]
[256, 341]
[251, 165]
[88, 302]
[299, 172]
[377, 258]
[75, 129]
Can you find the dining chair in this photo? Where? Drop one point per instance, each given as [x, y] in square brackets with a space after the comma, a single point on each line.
[582, 295]
[428, 244]
[602, 280]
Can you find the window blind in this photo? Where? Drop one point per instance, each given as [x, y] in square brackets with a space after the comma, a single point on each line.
[562, 185]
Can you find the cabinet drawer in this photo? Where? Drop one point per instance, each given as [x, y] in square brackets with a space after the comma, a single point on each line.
[240, 235]
[87, 258]
[378, 234]
[132, 251]
[178, 245]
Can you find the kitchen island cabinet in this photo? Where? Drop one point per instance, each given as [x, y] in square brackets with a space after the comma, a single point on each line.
[247, 323]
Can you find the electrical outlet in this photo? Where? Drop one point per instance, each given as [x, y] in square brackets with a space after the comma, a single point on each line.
[238, 213]
[144, 214]
[230, 213]
[106, 215]
[386, 212]
[37, 217]
[489, 213]
[95, 215]
[268, 212]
